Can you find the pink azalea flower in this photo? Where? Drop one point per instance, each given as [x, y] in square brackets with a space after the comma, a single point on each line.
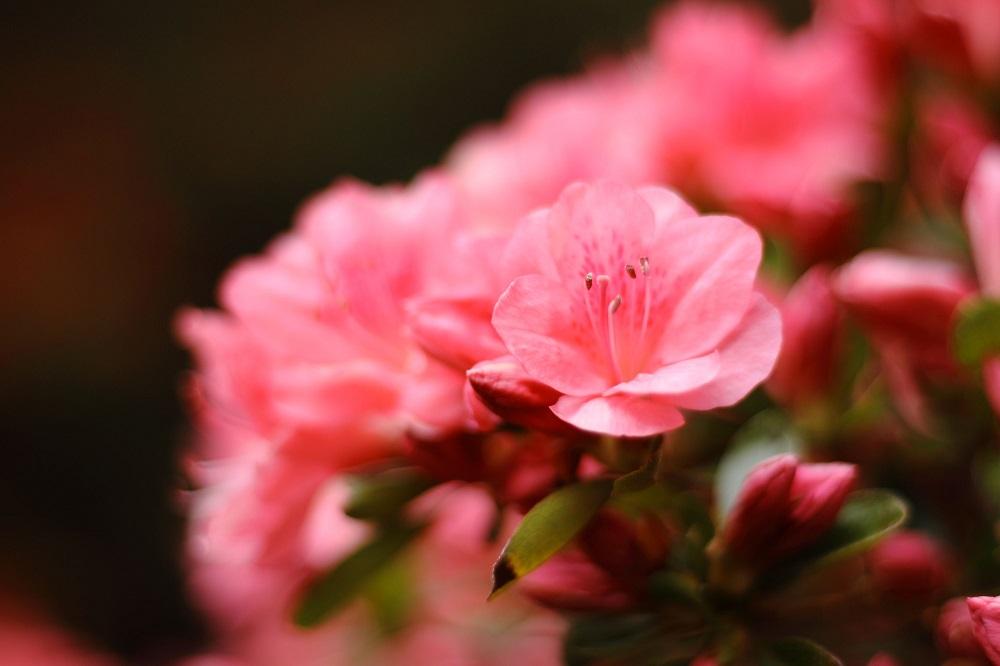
[985, 614]
[812, 331]
[785, 505]
[640, 308]
[951, 134]
[777, 130]
[982, 218]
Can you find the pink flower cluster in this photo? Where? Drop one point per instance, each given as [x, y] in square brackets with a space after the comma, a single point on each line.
[549, 309]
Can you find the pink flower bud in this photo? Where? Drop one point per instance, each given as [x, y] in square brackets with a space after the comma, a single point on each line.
[811, 341]
[955, 636]
[508, 391]
[905, 303]
[784, 506]
[883, 659]
[909, 565]
[571, 581]
[985, 615]
[627, 549]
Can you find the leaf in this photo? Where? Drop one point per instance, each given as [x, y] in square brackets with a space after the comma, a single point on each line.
[550, 525]
[977, 333]
[867, 516]
[347, 579]
[382, 496]
[634, 639]
[800, 652]
[765, 435]
[391, 594]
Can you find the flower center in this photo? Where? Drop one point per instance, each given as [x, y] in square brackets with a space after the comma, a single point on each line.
[624, 353]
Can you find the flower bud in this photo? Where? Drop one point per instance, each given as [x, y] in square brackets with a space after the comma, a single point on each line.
[509, 392]
[985, 616]
[909, 565]
[784, 506]
[571, 581]
[629, 550]
[811, 340]
[955, 636]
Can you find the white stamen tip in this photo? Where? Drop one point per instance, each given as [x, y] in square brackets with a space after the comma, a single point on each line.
[630, 269]
[615, 304]
[603, 280]
[589, 280]
[644, 265]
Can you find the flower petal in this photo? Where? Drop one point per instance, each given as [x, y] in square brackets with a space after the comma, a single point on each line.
[676, 378]
[536, 321]
[619, 415]
[982, 217]
[708, 272]
[745, 359]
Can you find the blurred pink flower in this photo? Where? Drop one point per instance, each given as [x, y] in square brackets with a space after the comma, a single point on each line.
[583, 128]
[909, 565]
[775, 128]
[962, 35]
[812, 332]
[985, 615]
[982, 218]
[640, 308]
[883, 659]
[450, 621]
[29, 639]
[955, 635]
[951, 133]
[785, 505]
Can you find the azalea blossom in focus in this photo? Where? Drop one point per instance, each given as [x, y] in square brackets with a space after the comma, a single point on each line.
[639, 308]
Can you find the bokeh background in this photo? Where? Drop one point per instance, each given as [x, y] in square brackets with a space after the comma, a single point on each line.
[143, 148]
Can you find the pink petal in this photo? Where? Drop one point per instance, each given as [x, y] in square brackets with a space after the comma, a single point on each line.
[619, 415]
[982, 217]
[535, 318]
[598, 228]
[745, 359]
[707, 269]
[681, 377]
[761, 507]
[456, 331]
[985, 612]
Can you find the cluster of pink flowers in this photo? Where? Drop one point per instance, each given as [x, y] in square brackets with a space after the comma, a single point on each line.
[677, 421]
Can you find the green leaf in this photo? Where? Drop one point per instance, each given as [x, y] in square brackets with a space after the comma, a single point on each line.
[867, 516]
[634, 639]
[800, 652]
[382, 496]
[391, 594]
[550, 525]
[340, 585]
[765, 435]
[977, 333]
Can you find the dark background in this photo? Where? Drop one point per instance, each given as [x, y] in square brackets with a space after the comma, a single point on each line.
[144, 147]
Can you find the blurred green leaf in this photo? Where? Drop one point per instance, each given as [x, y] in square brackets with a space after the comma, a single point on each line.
[346, 580]
[977, 333]
[382, 496]
[550, 525]
[633, 639]
[391, 595]
[767, 434]
[867, 516]
[799, 652]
